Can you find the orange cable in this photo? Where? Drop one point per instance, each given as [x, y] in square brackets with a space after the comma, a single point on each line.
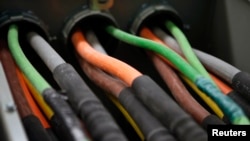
[31, 101]
[102, 61]
[223, 86]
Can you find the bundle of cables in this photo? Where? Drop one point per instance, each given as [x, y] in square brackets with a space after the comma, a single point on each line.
[214, 65]
[59, 111]
[180, 124]
[35, 124]
[97, 119]
[194, 71]
[145, 32]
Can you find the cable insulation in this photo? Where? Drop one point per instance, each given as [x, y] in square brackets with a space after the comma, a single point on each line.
[213, 64]
[34, 77]
[234, 113]
[34, 107]
[186, 48]
[125, 73]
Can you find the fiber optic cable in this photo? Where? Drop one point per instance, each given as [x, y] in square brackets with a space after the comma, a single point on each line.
[32, 125]
[83, 100]
[232, 75]
[182, 95]
[228, 106]
[224, 88]
[10, 120]
[154, 130]
[186, 49]
[145, 88]
[64, 113]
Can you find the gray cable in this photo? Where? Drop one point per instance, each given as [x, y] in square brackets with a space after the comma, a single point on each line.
[94, 42]
[9, 117]
[45, 51]
[219, 67]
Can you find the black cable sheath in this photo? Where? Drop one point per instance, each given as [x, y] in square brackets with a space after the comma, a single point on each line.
[212, 120]
[34, 129]
[52, 135]
[241, 83]
[149, 125]
[167, 111]
[241, 101]
[98, 120]
[65, 117]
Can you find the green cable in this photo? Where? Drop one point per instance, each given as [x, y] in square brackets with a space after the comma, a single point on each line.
[229, 107]
[182, 65]
[29, 71]
[186, 48]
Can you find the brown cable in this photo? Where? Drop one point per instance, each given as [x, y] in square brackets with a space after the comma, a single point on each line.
[179, 91]
[9, 67]
[114, 86]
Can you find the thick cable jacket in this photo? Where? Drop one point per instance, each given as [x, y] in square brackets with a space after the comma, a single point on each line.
[65, 118]
[186, 48]
[98, 120]
[235, 96]
[125, 72]
[241, 101]
[213, 64]
[42, 86]
[152, 129]
[181, 94]
[241, 83]
[34, 129]
[127, 115]
[49, 56]
[23, 62]
[32, 103]
[167, 111]
[217, 66]
[111, 88]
